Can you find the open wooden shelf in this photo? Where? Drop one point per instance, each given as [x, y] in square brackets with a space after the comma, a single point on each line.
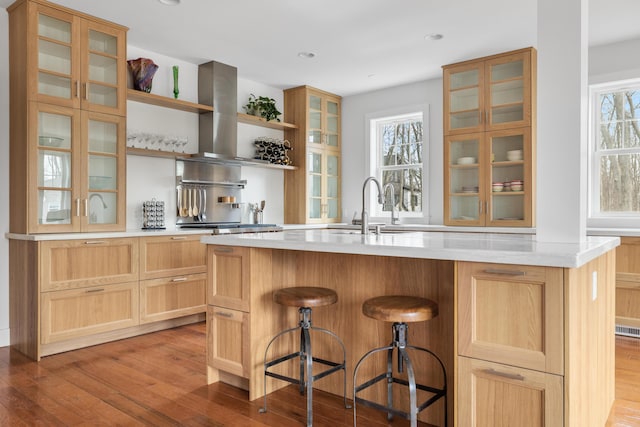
[156, 153]
[259, 121]
[163, 101]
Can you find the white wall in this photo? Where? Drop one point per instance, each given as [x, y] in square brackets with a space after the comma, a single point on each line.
[354, 163]
[616, 61]
[4, 178]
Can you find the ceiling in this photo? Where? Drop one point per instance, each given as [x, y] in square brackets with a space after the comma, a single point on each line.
[359, 45]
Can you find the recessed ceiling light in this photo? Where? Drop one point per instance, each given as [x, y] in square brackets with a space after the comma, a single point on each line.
[433, 36]
[306, 55]
[170, 2]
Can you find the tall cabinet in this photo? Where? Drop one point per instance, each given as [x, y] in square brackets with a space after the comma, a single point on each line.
[68, 115]
[312, 192]
[489, 140]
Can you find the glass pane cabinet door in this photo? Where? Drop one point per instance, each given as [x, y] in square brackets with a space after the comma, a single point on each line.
[464, 177]
[465, 98]
[315, 120]
[55, 172]
[101, 86]
[508, 91]
[102, 170]
[508, 175]
[55, 58]
[315, 184]
[333, 187]
[333, 128]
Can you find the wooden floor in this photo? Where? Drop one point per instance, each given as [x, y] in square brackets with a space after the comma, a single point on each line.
[159, 379]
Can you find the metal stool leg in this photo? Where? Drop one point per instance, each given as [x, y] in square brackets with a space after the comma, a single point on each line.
[399, 343]
[305, 380]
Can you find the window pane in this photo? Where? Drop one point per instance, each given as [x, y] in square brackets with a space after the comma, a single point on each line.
[620, 183]
[407, 186]
[401, 143]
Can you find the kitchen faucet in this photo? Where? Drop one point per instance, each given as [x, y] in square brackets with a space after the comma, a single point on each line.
[365, 216]
[385, 206]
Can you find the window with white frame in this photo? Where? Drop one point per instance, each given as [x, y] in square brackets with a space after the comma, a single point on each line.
[615, 154]
[398, 148]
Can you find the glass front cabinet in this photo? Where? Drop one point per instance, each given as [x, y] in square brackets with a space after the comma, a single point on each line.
[312, 193]
[68, 109]
[489, 153]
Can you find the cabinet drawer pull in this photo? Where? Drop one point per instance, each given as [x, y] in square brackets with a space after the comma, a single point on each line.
[505, 272]
[492, 371]
[223, 250]
[95, 290]
[223, 314]
[94, 242]
[178, 238]
[179, 279]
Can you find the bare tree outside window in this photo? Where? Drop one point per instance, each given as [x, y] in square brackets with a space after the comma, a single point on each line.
[618, 151]
[400, 142]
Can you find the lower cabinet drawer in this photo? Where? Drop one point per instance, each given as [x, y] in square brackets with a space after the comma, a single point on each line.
[172, 297]
[492, 394]
[80, 312]
[228, 340]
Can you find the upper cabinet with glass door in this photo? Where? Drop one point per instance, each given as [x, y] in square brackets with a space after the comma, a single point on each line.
[324, 120]
[491, 93]
[312, 192]
[79, 62]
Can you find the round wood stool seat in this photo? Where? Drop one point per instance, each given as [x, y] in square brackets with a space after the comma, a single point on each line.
[400, 308]
[305, 296]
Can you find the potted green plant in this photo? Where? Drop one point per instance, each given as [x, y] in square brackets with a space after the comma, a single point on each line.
[262, 106]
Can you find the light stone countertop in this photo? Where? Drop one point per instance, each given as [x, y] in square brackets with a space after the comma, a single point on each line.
[477, 247]
[104, 235]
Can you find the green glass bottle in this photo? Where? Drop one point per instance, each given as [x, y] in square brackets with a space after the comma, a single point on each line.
[175, 82]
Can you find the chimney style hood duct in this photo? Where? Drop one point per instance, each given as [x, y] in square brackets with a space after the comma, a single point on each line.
[218, 130]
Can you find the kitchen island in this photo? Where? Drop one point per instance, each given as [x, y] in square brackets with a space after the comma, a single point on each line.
[525, 330]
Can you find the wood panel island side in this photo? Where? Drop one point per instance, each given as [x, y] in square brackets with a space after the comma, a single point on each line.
[525, 328]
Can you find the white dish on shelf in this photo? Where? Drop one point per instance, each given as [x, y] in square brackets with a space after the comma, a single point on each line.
[466, 160]
[514, 155]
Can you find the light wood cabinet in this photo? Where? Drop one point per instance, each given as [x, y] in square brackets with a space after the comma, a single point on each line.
[68, 108]
[69, 294]
[628, 282]
[229, 273]
[510, 345]
[471, 197]
[173, 277]
[171, 297]
[228, 338]
[495, 395]
[312, 192]
[72, 264]
[228, 326]
[491, 93]
[166, 256]
[80, 312]
[78, 61]
[489, 152]
[510, 314]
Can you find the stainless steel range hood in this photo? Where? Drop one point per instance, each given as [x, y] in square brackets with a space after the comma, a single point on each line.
[218, 130]
[218, 86]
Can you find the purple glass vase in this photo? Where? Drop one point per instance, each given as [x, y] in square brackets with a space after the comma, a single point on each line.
[142, 71]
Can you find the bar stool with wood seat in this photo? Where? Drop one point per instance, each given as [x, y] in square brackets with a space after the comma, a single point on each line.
[304, 298]
[400, 310]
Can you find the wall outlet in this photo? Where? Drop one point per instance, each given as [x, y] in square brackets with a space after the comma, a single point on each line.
[594, 285]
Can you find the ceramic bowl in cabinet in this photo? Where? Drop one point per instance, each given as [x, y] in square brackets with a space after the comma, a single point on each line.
[466, 160]
[514, 155]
